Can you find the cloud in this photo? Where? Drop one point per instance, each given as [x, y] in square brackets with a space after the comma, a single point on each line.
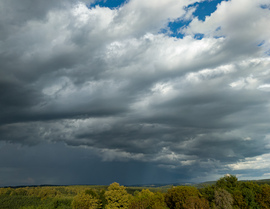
[107, 80]
[241, 22]
[254, 163]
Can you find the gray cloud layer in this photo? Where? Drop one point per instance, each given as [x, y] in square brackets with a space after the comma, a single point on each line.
[107, 80]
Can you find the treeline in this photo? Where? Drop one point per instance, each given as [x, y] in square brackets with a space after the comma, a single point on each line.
[226, 193]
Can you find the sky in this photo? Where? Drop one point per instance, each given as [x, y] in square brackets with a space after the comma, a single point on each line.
[134, 92]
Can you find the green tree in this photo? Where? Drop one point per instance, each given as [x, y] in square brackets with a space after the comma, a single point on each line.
[47, 192]
[249, 197]
[228, 182]
[85, 201]
[263, 196]
[244, 195]
[147, 200]
[238, 200]
[102, 198]
[117, 197]
[185, 197]
[208, 192]
[19, 191]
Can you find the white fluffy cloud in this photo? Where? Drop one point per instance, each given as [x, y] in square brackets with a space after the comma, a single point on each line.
[235, 19]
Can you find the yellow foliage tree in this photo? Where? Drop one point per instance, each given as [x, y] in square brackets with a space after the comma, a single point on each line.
[263, 197]
[117, 197]
[85, 201]
[147, 200]
[48, 192]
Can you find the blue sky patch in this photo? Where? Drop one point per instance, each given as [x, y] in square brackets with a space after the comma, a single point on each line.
[175, 26]
[265, 6]
[218, 28]
[203, 9]
[198, 36]
[109, 3]
[262, 43]
[217, 37]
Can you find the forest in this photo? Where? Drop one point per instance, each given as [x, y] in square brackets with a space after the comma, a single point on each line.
[225, 193]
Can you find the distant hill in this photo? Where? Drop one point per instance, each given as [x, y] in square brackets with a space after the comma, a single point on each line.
[198, 185]
[207, 183]
[261, 181]
[153, 186]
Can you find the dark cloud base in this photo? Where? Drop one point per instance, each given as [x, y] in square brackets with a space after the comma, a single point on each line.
[57, 164]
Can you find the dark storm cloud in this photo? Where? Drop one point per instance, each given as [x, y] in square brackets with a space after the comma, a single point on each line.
[107, 81]
[62, 165]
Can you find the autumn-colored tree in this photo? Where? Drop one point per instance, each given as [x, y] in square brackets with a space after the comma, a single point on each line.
[263, 197]
[159, 201]
[46, 192]
[183, 197]
[196, 203]
[147, 200]
[85, 201]
[19, 191]
[5, 191]
[98, 194]
[238, 200]
[117, 197]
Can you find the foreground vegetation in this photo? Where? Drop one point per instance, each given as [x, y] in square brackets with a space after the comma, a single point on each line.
[226, 193]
